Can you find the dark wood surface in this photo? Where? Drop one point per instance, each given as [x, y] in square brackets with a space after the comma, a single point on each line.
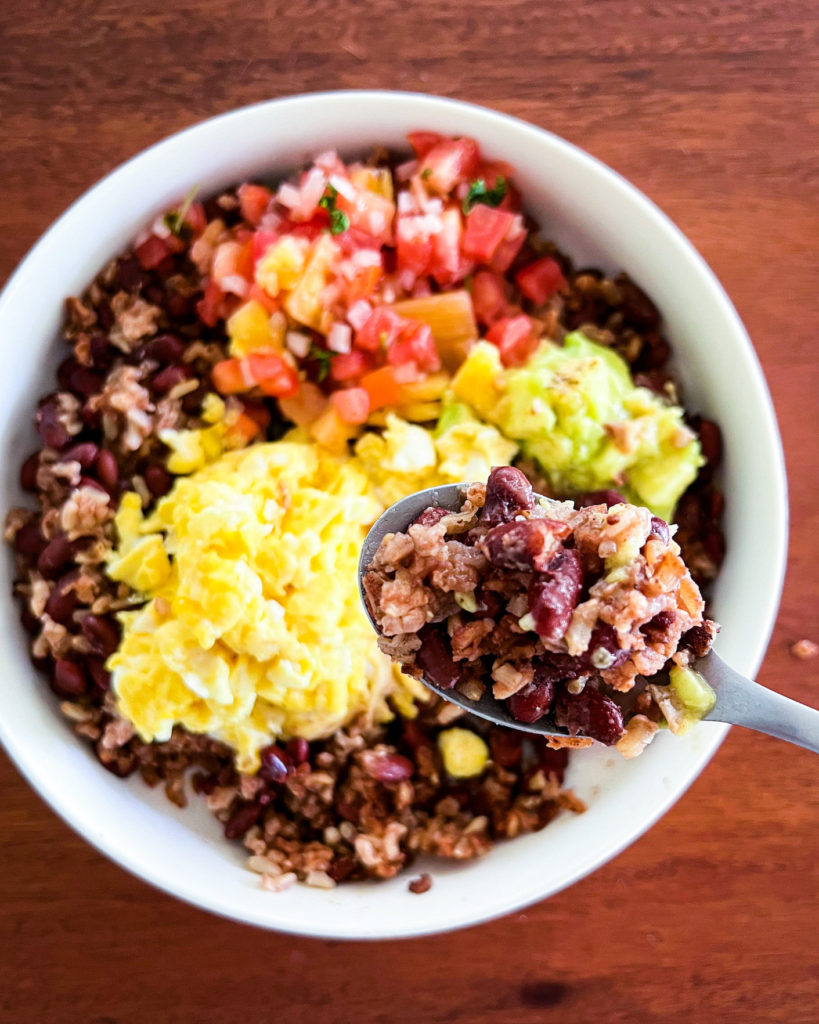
[710, 108]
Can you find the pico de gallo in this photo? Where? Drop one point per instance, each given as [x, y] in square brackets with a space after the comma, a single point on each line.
[361, 287]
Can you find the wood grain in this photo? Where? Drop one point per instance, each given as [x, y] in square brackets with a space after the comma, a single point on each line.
[710, 108]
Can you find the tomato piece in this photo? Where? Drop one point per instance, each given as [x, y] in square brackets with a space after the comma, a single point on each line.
[485, 229]
[362, 285]
[422, 142]
[449, 162]
[448, 266]
[515, 338]
[270, 303]
[413, 245]
[242, 430]
[244, 260]
[370, 213]
[382, 387]
[262, 241]
[380, 329]
[541, 280]
[151, 252]
[253, 201]
[489, 297]
[416, 345]
[350, 365]
[309, 229]
[352, 404]
[210, 306]
[511, 245]
[196, 219]
[258, 412]
[274, 375]
[228, 377]
[306, 406]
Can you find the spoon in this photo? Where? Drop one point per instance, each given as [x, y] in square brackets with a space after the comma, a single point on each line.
[739, 700]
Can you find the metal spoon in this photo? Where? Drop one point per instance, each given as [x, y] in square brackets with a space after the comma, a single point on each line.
[739, 700]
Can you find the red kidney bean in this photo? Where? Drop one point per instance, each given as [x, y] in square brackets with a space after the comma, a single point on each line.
[165, 348]
[242, 819]
[341, 868]
[100, 676]
[55, 556]
[528, 545]
[430, 516]
[155, 293]
[608, 498]
[29, 622]
[276, 763]
[69, 679]
[89, 481]
[102, 351]
[130, 274]
[92, 418]
[85, 453]
[168, 378]
[659, 528]
[107, 468]
[604, 637]
[714, 545]
[386, 767]
[73, 376]
[28, 472]
[63, 601]
[532, 702]
[191, 402]
[435, 659]
[711, 442]
[414, 735]
[553, 595]
[158, 480]
[508, 493]
[658, 626]
[105, 315]
[655, 353]
[101, 633]
[29, 540]
[179, 306]
[638, 307]
[589, 713]
[654, 380]
[716, 503]
[506, 747]
[48, 425]
[299, 750]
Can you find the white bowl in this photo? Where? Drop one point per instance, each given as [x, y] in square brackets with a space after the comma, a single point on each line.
[599, 219]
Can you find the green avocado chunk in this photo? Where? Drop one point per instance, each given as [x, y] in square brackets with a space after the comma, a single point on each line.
[575, 409]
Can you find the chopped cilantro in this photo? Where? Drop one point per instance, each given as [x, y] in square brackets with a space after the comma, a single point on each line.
[174, 220]
[323, 357]
[426, 173]
[479, 193]
[339, 221]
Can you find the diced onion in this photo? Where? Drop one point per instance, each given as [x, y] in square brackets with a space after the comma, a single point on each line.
[358, 314]
[340, 337]
[298, 343]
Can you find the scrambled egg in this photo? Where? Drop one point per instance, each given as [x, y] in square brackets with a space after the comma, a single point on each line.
[253, 626]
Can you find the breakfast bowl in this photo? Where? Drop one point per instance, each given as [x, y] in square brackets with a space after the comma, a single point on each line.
[601, 220]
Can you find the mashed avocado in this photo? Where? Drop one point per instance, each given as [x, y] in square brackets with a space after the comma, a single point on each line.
[576, 411]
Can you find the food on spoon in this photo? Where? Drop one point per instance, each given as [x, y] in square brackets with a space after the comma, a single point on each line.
[556, 609]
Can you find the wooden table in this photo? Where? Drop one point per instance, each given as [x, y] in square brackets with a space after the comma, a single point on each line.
[711, 109]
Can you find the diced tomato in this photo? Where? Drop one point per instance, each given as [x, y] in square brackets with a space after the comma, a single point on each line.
[274, 375]
[449, 162]
[416, 345]
[353, 239]
[352, 404]
[541, 280]
[448, 265]
[486, 228]
[306, 406]
[262, 241]
[151, 252]
[370, 213]
[244, 262]
[489, 297]
[382, 387]
[362, 285]
[413, 244]
[515, 338]
[232, 259]
[381, 328]
[270, 303]
[309, 229]
[243, 429]
[195, 218]
[511, 245]
[210, 306]
[422, 142]
[228, 377]
[253, 202]
[350, 365]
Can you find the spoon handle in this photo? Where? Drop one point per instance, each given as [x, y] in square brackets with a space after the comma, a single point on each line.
[742, 702]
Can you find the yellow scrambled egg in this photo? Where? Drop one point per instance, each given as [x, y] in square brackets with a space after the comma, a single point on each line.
[253, 626]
